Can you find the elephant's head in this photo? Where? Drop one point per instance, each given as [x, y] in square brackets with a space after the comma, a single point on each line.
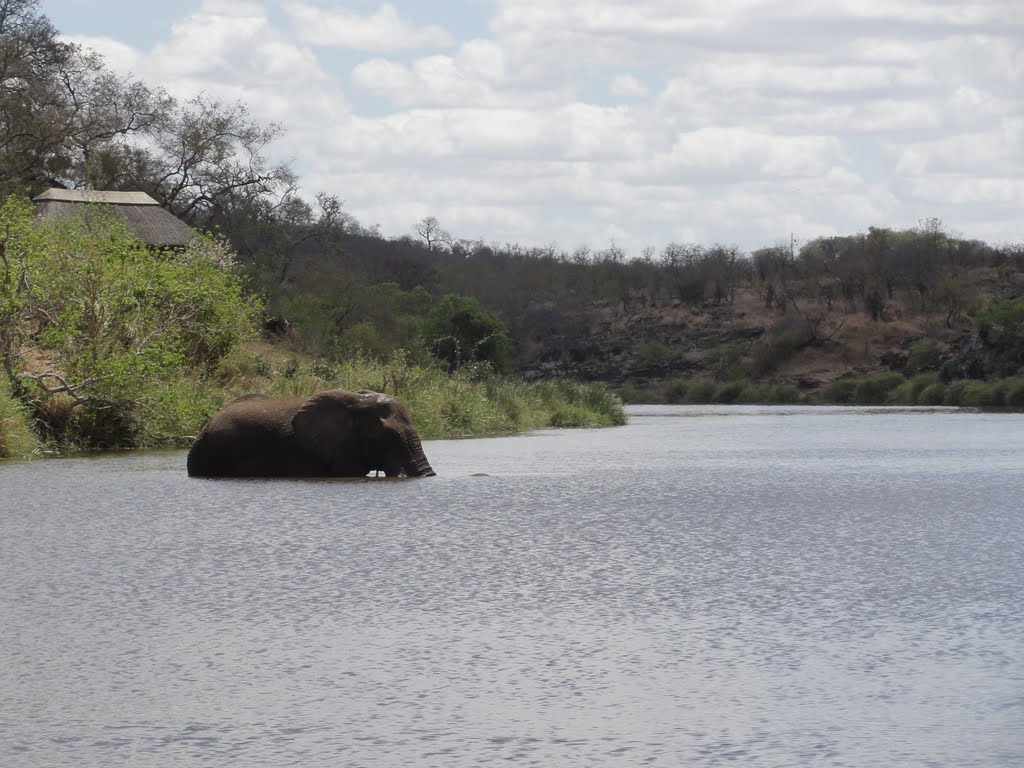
[365, 430]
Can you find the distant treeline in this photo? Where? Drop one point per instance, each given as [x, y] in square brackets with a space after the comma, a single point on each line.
[536, 290]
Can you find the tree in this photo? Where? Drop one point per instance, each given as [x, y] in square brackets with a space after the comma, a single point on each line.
[462, 331]
[1001, 328]
[64, 119]
[429, 228]
[108, 323]
[207, 152]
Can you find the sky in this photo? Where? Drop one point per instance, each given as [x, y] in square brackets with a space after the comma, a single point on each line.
[633, 122]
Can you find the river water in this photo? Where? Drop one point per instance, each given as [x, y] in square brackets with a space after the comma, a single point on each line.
[704, 586]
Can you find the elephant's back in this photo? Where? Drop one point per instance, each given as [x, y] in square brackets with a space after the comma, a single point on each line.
[257, 413]
[250, 437]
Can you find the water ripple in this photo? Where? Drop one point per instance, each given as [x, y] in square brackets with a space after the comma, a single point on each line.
[752, 587]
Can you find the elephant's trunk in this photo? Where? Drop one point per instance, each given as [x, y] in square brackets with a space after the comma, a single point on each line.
[416, 464]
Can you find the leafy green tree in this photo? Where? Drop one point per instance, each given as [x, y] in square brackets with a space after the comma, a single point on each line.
[17, 243]
[110, 324]
[1001, 328]
[461, 331]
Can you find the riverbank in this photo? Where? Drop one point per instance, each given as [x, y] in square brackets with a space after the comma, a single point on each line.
[889, 388]
[470, 402]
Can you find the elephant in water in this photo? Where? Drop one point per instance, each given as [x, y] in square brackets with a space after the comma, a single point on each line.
[330, 434]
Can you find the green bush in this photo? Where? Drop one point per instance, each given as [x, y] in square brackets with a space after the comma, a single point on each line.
[909, 392]
[924, 355]
[1015, 392]
[901, 395]
[875, 389]
[754, 394]
[954, 394]
[983, 394]
[772, 353]
[1001, 328]
[119, 322]
[701, 392]
[785, 394]
[934, 394]
[675, 392]
[840, 391]
[630, 392]
[728, 393]
[462, 331]
[654, 354]
[727, 364]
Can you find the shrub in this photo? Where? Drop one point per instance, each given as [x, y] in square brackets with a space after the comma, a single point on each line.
[631, 393]
[754, 394]
[772, 353]
[1015, 392]
[116, 320]
[954, 393]
[785, 394]
[728, 393]
[1001, 328]
[676, 390]
[701, 391]
[924, 355]
[909, 392]
[462, 331]
[840, 391]
[933, 394]
[983, 394]
[654, 354]
[875, 389]
[728, 364]
[901, 395]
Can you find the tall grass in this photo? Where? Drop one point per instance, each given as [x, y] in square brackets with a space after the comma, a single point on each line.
[17, 440]
[470, 402]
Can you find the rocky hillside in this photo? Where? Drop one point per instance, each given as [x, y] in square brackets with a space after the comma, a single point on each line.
[804, 343]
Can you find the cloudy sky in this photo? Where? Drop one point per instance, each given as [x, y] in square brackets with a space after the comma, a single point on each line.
[634, 121]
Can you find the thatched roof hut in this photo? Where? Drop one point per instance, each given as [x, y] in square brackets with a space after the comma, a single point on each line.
[155, 226]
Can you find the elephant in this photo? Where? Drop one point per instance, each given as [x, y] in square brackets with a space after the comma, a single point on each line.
[329, 434]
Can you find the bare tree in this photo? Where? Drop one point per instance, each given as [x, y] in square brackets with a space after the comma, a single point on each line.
[430, 229]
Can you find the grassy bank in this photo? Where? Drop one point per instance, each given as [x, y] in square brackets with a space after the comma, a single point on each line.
[927, 389]
[890, 388]
[678, 391]
[472, 401]
[468, 403]
[17, 440]
[111, 345]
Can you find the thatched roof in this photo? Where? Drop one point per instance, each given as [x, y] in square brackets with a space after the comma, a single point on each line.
[143, 215]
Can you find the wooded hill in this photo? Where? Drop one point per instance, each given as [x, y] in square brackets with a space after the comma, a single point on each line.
[805, 315]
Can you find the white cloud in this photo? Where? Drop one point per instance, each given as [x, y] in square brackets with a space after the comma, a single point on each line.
[731, 153]
[382, 31]
[118, 56]
[768, 116]
[628, 86]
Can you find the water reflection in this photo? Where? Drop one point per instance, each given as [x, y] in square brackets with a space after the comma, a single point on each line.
[754, 586]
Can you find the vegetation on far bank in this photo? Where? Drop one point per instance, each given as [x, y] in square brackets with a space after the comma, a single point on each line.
[108, 344]
[892, 388]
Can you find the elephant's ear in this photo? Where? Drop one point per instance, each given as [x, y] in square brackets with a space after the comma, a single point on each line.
[327, 418]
